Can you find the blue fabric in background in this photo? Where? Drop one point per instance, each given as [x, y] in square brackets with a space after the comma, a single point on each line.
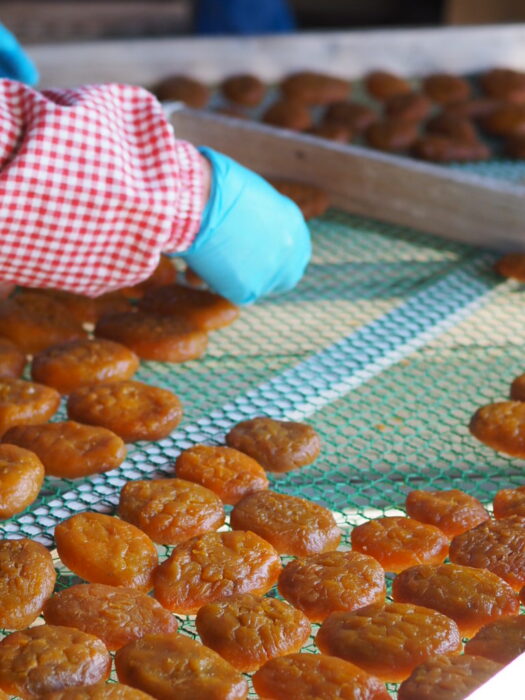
[243, 17]
[14, 63]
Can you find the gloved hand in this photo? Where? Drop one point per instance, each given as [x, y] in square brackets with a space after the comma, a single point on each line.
[253, 241]
[14, 63]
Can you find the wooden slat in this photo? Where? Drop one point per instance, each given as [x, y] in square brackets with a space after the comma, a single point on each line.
[349, 54]
[431, 198]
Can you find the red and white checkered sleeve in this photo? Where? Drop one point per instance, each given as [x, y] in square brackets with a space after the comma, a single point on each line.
[93, 187]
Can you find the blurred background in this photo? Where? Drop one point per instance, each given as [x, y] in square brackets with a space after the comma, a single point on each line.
[35, 21]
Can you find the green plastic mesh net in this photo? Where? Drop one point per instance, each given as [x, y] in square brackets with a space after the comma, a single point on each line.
[387, 346]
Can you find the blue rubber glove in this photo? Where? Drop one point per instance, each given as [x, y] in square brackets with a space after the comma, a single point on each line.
[243, 17]
[14, 63]
[253, 241]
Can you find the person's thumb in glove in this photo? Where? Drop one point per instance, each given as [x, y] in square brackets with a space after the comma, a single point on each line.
[14, 62]
[253, 241]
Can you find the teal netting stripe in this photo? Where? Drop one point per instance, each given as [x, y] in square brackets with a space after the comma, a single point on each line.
[295, 393]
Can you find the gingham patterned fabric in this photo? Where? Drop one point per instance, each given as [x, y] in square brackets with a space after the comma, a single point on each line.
[93, 187]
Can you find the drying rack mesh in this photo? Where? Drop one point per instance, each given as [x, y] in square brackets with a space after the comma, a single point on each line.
[387, 346]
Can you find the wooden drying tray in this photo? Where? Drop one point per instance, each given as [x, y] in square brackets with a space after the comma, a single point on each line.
[432, 198]
[411, 52]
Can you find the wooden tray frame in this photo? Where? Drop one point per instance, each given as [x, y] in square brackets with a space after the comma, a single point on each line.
[478, 210]
[431, 198]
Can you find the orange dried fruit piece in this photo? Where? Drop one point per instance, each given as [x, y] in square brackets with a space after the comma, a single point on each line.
[86, 309]
[457, 128]
[225, 471]
[316, 677]
[175, 666]
[213, 567]
[22, 596]
[392, 135]
[311, 200]
[78, 363]
[25, 403]
[277, 445]
[154, 337]
[473, 108]
[439, 148]
[453, 512]
[34, 322]
[244, 89]
[391, 643]
[517, 388]
[21, 477]
[469, 596]
[48, 657]
[132, 410]
[444, 88]
[170, 511]
[509, 502]
[99, 691]
[356, 116]
[248, 630]
[292, 525]
[333, 581]
[501, 641]
[398, 542]
[115, 615]
[382, 85]
[504, 84]
[103, 549]
[288, 114]
[314, 88]
[507, 119]
[496, 545]
[198, 307]
[512, 265]
[164, 273]
[184, 89]
[501, 425]
[12, 360]
[70, 450]
[447, 678]
[409, 106]
[110, 303]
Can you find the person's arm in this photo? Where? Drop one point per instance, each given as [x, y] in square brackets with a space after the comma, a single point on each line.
[14, 64]
[94, 187]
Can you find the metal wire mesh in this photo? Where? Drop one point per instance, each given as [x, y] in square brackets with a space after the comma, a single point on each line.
[387, 346]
